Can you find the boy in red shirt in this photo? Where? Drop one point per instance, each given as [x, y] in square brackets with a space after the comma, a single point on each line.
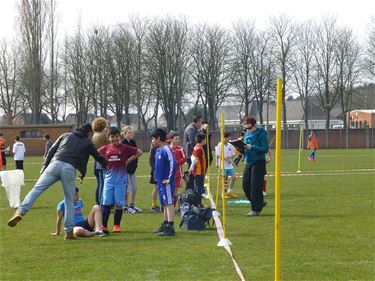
[180, 158]
[198, 164]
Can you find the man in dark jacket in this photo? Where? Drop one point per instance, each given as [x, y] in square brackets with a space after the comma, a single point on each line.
[189, 143]
[70, 152]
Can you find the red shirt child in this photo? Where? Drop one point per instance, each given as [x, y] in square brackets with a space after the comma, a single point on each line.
[180, 156]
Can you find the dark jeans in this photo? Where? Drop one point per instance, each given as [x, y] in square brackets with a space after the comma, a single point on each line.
[199, 184]
[252, 184]
[190, 180]
[19, 164]
[99, 186]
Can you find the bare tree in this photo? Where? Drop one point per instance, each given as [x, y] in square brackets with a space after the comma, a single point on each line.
[33, 34]
[283, 32]
[370, 50]
[212, 69]
[11, 101]
[166, 56]
[304, 67]
[348, 69]
[326, 33]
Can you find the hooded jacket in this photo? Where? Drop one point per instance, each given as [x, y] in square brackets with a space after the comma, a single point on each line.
[75, 149]
[259, 145]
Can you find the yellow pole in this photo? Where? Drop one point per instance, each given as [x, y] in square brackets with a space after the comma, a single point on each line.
[222, 175]
[299, 150]
[217, 187]
[277, 179]
[208, 164]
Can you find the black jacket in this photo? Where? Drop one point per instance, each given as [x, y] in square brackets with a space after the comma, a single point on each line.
[132, 166]
[75, 149]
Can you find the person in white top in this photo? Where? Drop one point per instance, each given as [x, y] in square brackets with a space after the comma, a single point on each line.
[229, 153]
[19, 153]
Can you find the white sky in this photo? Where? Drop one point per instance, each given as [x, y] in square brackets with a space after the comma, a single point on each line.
[355, 14]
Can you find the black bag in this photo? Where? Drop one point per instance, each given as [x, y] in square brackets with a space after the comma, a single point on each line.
[196, 218]
[191, 197]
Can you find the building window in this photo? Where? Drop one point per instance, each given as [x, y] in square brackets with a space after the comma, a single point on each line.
[31, 134]
[365, 124]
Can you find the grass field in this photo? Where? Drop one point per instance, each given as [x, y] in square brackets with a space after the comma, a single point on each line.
[327, 228]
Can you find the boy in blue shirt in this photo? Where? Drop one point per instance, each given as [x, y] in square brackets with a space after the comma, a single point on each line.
[82, 227]
[165, 177]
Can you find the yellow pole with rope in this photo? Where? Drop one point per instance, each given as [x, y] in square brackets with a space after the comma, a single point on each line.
[299, 150]
[277, 179]
[208, 165]
[225, 241]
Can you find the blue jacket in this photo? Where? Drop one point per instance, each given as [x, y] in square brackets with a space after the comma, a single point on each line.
[259, 145]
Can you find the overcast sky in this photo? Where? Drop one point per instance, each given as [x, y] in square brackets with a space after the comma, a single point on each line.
[355, 14]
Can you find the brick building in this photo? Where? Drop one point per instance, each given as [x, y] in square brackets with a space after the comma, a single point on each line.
[31, 135]
[361, 118]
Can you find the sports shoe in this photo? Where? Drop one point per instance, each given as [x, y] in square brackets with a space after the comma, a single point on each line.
[130, 210]
[69, 236]
[135, 209]
[232, 194]
[104, 229]
[252, 214]
[100, 233]
[116, 228]
[126, 209]
[168, 231]
[16, 218]
[161, 228]
[155, 209]
[310, 158]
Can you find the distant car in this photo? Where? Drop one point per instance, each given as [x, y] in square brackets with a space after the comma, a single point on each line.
[337, 126]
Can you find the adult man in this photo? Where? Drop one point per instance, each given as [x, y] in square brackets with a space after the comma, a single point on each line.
[189, 143]
[256, 146]
[71, 151]
[47, 146]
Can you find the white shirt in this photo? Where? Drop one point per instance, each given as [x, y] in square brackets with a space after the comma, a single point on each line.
[19, 151]
[229, 151]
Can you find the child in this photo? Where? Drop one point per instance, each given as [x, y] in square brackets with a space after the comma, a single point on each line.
[180, 158]
[165, 176]
[82, 227]
[19, 153]
[154, 207]
[198, 164]
[118, 156]
[128, 135]
[313, 145]
[229, 153]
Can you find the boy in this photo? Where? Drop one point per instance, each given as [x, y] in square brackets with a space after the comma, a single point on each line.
[198, 164]
[151, 160]
[82, 227]
[165, 177]
[180, 158]
[229, 153]
[118, 156]
[313, 145]
[19, 153]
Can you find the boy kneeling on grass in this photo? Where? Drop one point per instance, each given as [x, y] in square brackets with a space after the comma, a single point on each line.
[165, 177]
[82, 227]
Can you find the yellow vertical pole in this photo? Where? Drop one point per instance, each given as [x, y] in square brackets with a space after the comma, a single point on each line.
[222, 175]
[299, 150]
[208, 164]
[277, 179]
[217, 187]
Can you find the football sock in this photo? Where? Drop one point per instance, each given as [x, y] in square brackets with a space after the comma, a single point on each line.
[264, 185]
[154, 203]
[106, 209]
[117, 216]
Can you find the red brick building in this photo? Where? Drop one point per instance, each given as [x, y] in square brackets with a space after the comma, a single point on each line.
[359, 119]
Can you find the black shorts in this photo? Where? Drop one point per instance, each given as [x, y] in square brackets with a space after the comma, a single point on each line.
[85, 224]
[152, 177]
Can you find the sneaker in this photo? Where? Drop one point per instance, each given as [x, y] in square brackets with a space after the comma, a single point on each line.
[131, 210]
[105, 230]
[116, 228]
[161, 228]
[100, 233]
[15, 219]
[69, 236]
[155, 209]
[126, 209]
[310, 158]
[168, 231]
[253, 214]
[232, 194]
[136, 209]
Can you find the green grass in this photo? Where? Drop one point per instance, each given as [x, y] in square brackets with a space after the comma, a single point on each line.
[327, 231]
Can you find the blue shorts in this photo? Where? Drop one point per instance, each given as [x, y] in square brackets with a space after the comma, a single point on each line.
[166, 193]
[228, 172]
[84, 224]
[114, 194]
